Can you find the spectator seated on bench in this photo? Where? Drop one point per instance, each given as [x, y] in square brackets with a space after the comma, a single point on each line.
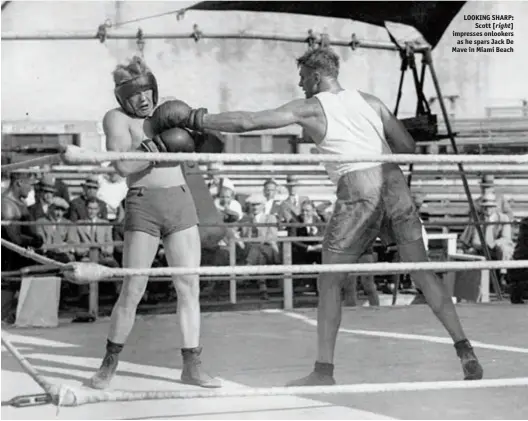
[57, 235]
[267, 251]
[78, 209]
[498, 237]
[97, 237]
[307, 252]
[45, 191]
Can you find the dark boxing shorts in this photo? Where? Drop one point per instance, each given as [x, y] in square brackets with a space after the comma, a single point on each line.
[374, 202]
[160, 211]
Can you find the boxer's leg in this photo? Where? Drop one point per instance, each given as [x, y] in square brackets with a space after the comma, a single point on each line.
[139, 250]
[405, 229]
[351, 231]
[183, 249]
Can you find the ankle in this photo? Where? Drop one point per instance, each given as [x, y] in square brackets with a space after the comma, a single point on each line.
[326, 369]
[463, 347]
[113, 348]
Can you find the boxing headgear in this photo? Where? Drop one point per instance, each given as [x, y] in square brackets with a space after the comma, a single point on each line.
[131, 87]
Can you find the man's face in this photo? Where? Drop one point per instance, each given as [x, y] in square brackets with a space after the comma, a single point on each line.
[307, 211]
[47, 197]
[269, 190]
[91, 192]
[142, 103]
[26, 185]
[257, 208]
[57, 213]
[309, 81]
[93, 210]
[226, 195]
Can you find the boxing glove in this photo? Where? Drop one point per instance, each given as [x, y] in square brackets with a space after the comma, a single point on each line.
[173, 140]
[168, 115]
[176, 113]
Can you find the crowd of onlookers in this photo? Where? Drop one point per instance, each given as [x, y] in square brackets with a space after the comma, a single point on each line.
[90, 227]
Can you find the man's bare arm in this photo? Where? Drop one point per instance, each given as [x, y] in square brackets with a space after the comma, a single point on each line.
[119, 139]
[398, 138]
[294, 112]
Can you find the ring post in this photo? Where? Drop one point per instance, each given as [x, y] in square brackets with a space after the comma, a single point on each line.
[288, 281]
[232, 280]
[94, 286]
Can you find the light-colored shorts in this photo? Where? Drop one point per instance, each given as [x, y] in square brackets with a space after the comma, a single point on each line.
[374, 202]
[160, 211]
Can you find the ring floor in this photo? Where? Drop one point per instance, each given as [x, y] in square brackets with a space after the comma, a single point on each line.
[268, 348]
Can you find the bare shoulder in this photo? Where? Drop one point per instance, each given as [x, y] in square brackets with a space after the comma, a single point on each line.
[116, 127]
[115, 118]
[8, 209]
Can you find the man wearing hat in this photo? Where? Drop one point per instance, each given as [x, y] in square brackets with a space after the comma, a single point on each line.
[79, 208]
[54, 235]
[267, 251]
[226, 202]
[498, 236]
[46, 191]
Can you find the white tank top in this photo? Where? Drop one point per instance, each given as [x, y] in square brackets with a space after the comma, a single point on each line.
[353, 128]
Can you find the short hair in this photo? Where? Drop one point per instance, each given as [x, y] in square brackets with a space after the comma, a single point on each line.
[323, 60]
[93, 200]
[125, 72]
[21, 175]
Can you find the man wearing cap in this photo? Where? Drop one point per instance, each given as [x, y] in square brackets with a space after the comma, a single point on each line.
[226, 202]
[79, 205]
[159, 205]
[267, 251]
[45, 193]
[498, 234]
[57, 235]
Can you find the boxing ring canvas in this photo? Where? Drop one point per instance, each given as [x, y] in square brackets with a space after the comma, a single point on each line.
[393, 349]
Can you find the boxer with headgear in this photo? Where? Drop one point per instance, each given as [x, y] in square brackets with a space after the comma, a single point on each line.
[159, 204]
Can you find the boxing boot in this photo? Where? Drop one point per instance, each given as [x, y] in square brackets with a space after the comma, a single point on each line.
[323, 375]
[193, 373]
[470, 364]
[105, 374]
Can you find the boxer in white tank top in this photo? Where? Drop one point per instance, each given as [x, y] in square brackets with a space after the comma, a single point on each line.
[372, 199]
[158, 205]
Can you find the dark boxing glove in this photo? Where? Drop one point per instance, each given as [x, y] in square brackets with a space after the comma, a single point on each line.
[172, 140]
[168, 115]
[176, 113]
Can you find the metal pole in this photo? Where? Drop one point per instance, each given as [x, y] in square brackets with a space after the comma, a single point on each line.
[79, 36]
[473, 211]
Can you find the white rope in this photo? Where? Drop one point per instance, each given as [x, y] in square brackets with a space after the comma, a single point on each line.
[24, 363]
[30, 254]
[75, 396]
[82, 273]
[76, 155]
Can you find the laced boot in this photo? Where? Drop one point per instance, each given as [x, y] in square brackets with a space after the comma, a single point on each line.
[105, 374]
[470, 363]
[323, 375]
[193, 373]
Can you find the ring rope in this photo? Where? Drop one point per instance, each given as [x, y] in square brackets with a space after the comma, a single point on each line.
[25, 364]
[76, 155]
[34, 162]
[30, 254]
[82, 273]
[71, 396]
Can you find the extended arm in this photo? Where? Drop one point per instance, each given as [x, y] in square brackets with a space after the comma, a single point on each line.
[294, 112]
